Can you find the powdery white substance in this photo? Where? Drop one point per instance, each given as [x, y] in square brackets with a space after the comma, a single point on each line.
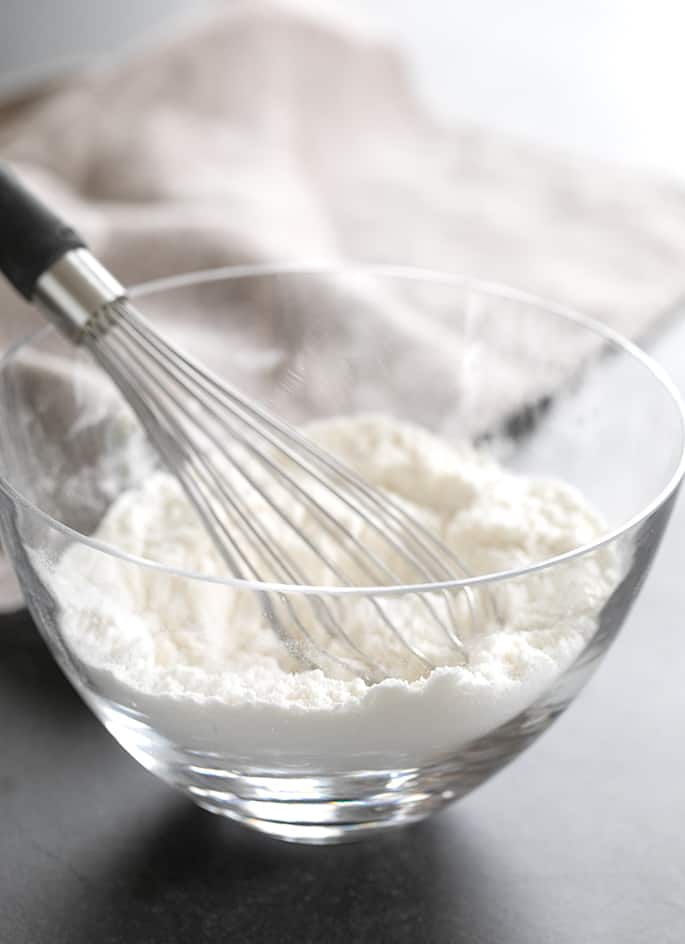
[199, 662]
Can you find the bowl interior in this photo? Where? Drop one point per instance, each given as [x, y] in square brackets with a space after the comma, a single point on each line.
[549, 393]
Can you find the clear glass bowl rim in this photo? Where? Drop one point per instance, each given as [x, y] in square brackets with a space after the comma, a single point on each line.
[227, 273]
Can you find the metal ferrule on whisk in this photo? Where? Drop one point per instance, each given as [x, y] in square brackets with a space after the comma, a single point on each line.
[75, 291]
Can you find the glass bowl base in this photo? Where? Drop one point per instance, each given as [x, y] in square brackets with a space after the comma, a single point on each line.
[343, 816]
[295, 802]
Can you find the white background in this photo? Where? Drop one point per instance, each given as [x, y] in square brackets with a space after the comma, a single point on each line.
[601, 77]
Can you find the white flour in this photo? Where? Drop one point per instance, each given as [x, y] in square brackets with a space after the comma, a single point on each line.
[199, 663]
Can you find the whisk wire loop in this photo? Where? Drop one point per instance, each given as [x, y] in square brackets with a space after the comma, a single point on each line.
[209, 434]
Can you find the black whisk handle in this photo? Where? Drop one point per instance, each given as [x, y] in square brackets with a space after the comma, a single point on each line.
[32, 237]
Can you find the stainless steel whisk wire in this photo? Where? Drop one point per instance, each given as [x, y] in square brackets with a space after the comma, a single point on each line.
[129, 349]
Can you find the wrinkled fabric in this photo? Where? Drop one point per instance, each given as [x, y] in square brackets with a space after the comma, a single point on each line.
[274, 131]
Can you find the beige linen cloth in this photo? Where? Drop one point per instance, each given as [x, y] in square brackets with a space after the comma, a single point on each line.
[278, 131]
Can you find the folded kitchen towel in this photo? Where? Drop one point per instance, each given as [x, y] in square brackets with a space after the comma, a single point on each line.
[276, 130]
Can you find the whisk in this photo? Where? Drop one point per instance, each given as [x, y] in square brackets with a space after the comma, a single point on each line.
[276, 505]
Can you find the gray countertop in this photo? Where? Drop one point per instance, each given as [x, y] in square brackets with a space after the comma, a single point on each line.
[579, 841]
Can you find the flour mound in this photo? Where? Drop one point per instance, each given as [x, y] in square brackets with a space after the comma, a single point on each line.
[198, 659]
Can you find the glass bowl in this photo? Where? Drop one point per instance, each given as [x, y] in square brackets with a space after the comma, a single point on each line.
[547, 391]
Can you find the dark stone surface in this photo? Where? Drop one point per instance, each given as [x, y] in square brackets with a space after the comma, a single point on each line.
[579, 841]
